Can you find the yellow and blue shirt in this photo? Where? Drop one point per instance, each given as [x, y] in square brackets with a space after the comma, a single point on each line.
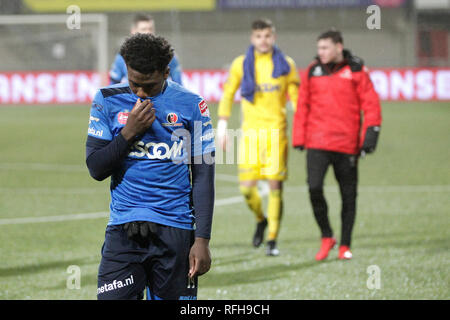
[268, 109]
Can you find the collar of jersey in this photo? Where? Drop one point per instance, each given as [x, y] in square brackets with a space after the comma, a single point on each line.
[263, 55]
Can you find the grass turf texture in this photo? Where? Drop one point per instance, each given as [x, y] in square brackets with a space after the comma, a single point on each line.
[401, 226]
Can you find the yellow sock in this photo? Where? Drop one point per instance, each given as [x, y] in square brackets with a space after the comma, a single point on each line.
[254, 201]
[274, 213]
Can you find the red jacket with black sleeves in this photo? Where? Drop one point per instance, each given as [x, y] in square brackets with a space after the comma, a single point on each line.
[335, 107]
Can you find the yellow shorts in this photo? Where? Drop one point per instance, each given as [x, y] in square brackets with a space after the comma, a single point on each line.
[262, 155]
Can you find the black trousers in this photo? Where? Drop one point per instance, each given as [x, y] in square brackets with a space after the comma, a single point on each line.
[346, 172]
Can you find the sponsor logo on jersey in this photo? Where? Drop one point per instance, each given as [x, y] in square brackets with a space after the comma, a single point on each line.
[267, 87]
[156, 150]
[203, 108]
[116, 284]
[97, 133]
[208, 136]
[91, 118]
[172, 119]
[317, 71]
[346, 74]
[122, 117]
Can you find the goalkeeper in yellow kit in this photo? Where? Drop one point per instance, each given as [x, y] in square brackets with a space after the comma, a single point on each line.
[266, 76]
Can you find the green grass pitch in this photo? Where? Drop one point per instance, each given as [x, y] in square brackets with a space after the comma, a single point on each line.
[402, 224]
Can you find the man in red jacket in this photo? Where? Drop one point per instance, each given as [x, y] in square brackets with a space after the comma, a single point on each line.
[338, 119]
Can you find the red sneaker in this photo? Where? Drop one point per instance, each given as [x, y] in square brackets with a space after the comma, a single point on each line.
[344, 253]
[326, 246]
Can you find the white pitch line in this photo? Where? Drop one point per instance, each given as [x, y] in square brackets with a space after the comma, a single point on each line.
[66, 217]
[226, 177]
[231, 189]
[95, 215]
[58, 190]
[43, 167]
[78, 168]
[236, 199]
[380, 189]
[223, 177]
[227, 201]
[264, 190]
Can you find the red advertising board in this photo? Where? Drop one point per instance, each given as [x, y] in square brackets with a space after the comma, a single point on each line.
[79, 87]
[48, 87]
[415, 84]
[392, 84]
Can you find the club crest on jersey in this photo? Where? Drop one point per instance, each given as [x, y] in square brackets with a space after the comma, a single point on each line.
[91, 118]
[122, 117]
[172, 119]
[203, 108]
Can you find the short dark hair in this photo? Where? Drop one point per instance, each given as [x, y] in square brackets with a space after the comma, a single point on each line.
[262, 23]
[146, 53]
[142, 17]
[332, 34]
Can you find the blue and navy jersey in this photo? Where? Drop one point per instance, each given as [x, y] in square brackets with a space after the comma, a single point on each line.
[153, 182]
[119, 74]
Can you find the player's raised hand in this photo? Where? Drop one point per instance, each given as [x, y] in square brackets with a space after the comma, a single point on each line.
[139, 119]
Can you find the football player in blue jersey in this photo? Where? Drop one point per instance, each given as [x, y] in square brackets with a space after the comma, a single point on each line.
[155, 139]
[142, 23]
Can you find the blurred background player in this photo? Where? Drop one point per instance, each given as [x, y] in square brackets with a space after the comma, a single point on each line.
[265, 76]
[328, 123]
[142, 23]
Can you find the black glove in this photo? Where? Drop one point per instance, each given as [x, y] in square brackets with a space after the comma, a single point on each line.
[139, 230]
[300, 148]
[370, 140]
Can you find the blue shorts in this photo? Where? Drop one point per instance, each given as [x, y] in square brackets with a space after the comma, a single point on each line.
[161, 266]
